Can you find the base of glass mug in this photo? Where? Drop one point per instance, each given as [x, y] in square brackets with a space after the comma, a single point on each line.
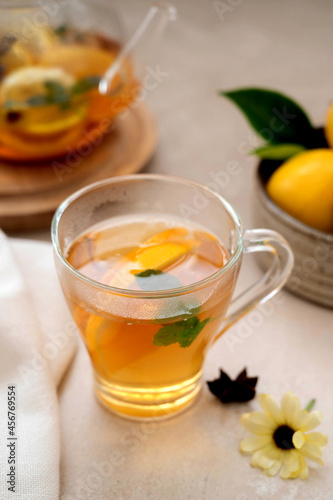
[147, 404]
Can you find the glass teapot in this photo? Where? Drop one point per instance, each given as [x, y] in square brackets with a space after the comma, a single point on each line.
[65, 72]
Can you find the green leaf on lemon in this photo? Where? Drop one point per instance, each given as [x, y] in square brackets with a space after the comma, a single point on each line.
[278, 151]
[274, 116]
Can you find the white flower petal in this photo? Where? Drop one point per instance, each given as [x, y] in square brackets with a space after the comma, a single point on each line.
[304, 469]
[258, 454]
[258, 423]
[274, 469]
[299, 419]
[316, 438]
[305, 421]
[315, 418]
[312, 452]
[298, 439]
[289, 405]
[254, 443]
[295, 473]
[271, 408]
[285, 472]
[293, 459]
[269, 458]
[275, 452]
[290, 464]
[255, 458]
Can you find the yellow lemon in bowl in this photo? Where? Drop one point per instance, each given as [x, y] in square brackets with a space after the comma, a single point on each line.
[303, 187]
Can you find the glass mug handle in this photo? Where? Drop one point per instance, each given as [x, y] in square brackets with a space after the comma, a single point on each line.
[262, 240]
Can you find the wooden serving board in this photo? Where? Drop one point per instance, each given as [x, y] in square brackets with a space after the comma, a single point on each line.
[29, 194]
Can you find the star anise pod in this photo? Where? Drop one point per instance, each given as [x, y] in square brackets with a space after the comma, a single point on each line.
[239, 390]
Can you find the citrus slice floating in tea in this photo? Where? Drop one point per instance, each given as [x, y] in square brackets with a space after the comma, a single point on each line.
[156, 253]
[35, 102]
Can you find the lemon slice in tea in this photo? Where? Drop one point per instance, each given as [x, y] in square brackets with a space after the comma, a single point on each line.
[157, 253]
[37, 102]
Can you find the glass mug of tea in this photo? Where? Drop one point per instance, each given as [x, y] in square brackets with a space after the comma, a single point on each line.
[149, 277]
[66, 73]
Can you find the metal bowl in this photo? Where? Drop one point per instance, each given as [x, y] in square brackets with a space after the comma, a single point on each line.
[312, 277]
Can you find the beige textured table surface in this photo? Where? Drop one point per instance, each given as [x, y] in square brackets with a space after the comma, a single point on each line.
[279, 44]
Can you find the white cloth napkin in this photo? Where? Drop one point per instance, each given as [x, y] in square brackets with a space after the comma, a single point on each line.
[37, 343]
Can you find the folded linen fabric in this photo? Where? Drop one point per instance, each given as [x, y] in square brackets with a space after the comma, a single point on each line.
[37, 343]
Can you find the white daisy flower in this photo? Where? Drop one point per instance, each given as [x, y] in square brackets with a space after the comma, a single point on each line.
[281, 442]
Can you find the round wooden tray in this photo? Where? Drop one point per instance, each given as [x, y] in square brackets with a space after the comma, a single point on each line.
[29, 194]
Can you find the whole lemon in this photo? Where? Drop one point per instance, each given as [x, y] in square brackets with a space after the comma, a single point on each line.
[303, 187]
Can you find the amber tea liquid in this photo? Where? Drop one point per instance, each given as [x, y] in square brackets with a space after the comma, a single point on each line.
[148, 355]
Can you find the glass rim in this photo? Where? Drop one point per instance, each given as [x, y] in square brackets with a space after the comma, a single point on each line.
[154, 293]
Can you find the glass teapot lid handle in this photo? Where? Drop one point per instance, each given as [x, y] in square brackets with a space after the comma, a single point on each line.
[144, 39]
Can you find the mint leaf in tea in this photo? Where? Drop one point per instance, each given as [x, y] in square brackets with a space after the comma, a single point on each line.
[184, 332]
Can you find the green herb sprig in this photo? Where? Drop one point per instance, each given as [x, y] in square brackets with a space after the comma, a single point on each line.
[184, 331]
[57, 94]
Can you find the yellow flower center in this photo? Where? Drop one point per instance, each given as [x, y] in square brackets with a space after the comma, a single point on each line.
[283, 437]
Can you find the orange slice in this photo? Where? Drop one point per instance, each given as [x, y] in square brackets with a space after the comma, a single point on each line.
[157, 252]
[27, 82]
[38, 131]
